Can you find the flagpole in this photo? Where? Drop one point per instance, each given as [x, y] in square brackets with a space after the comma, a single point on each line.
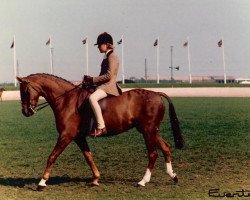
[123, 76]
[224, 64]
[189, 61]
[87, 56]
[51, 56]
[157, 61]
[171, 63]
[14, 54]
[17, 68]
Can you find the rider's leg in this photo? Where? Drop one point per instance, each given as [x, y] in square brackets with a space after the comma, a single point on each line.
[93, 99]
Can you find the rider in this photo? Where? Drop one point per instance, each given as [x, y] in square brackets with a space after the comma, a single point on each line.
[105, 82]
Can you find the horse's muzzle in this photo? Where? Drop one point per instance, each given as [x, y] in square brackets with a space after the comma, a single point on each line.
[28, 111]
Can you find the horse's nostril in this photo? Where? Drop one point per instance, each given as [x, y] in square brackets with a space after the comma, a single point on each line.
[26, 113]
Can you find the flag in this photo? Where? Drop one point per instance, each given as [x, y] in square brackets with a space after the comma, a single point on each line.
[156, 42]
[185, 44]
[84, 41]
[12, 45]
[119, 42]
[48, 42]
[220, 43]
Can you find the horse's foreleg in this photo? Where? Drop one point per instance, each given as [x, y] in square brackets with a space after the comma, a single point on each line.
[61, 144]
[152, 156]
[83, 145]
[165, 148]
[96, 174]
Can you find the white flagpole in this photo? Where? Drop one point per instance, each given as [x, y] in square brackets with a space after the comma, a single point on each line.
[224, 64]
[123, 76]
[189, 61]
[17, 67]
[157, 60]
[15, 61]
[87, 56]
[51, 56]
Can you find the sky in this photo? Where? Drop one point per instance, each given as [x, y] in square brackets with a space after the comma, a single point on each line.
[140, 22]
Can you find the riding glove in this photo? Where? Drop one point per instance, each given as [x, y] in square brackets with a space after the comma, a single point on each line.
[88, 79]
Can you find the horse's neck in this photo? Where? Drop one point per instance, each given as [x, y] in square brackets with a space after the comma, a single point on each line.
[52, 90]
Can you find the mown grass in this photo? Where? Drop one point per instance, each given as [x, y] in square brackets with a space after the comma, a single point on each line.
[160, 85]
[216, 155]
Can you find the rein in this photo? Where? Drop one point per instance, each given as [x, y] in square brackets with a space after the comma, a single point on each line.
[40, 106]
[46, 103]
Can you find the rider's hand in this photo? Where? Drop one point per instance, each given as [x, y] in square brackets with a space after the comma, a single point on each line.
[88, 79]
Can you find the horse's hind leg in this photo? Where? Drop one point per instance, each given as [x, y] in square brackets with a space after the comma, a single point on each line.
[165, 148]
[152, 156]
[83, 145]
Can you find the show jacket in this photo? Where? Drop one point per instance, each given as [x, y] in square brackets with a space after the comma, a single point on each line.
[107, 77]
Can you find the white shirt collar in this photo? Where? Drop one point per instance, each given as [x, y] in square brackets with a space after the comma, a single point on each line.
[105, 55]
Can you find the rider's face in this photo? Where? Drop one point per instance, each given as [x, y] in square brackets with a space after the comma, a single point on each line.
[103, 48]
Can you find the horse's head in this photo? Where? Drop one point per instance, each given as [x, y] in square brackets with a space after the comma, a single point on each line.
[29, 93]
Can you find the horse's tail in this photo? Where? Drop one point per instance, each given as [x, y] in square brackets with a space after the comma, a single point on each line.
[178, 139]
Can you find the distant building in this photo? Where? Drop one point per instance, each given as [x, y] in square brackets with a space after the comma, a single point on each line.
[243, 80]
[220, 79]
[196, 79]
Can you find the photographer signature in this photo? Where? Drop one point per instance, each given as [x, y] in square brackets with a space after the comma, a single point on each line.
[238, 193]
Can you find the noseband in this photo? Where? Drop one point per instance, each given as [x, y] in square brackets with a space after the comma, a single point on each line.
[33, 108]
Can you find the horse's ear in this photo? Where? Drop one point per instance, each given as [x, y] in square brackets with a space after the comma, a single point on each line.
[19, 79]
[22, 80]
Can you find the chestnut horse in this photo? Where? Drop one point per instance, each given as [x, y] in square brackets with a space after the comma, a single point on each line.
[1, 92]
[138, 108]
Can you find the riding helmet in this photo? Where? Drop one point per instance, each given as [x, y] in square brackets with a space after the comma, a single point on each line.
[104, 38]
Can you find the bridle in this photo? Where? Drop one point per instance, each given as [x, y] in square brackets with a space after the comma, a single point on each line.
[40, 106]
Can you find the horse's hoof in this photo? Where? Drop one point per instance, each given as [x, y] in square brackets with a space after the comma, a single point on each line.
[94, 183]
[175, 179]
[140, 184]
[40, 188]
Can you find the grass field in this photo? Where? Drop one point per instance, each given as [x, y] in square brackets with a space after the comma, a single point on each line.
[161, 85]
[217, 155]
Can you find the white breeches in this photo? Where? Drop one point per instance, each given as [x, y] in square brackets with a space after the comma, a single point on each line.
[93, 99]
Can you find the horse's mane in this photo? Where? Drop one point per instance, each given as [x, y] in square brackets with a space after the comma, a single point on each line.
[53, 77]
